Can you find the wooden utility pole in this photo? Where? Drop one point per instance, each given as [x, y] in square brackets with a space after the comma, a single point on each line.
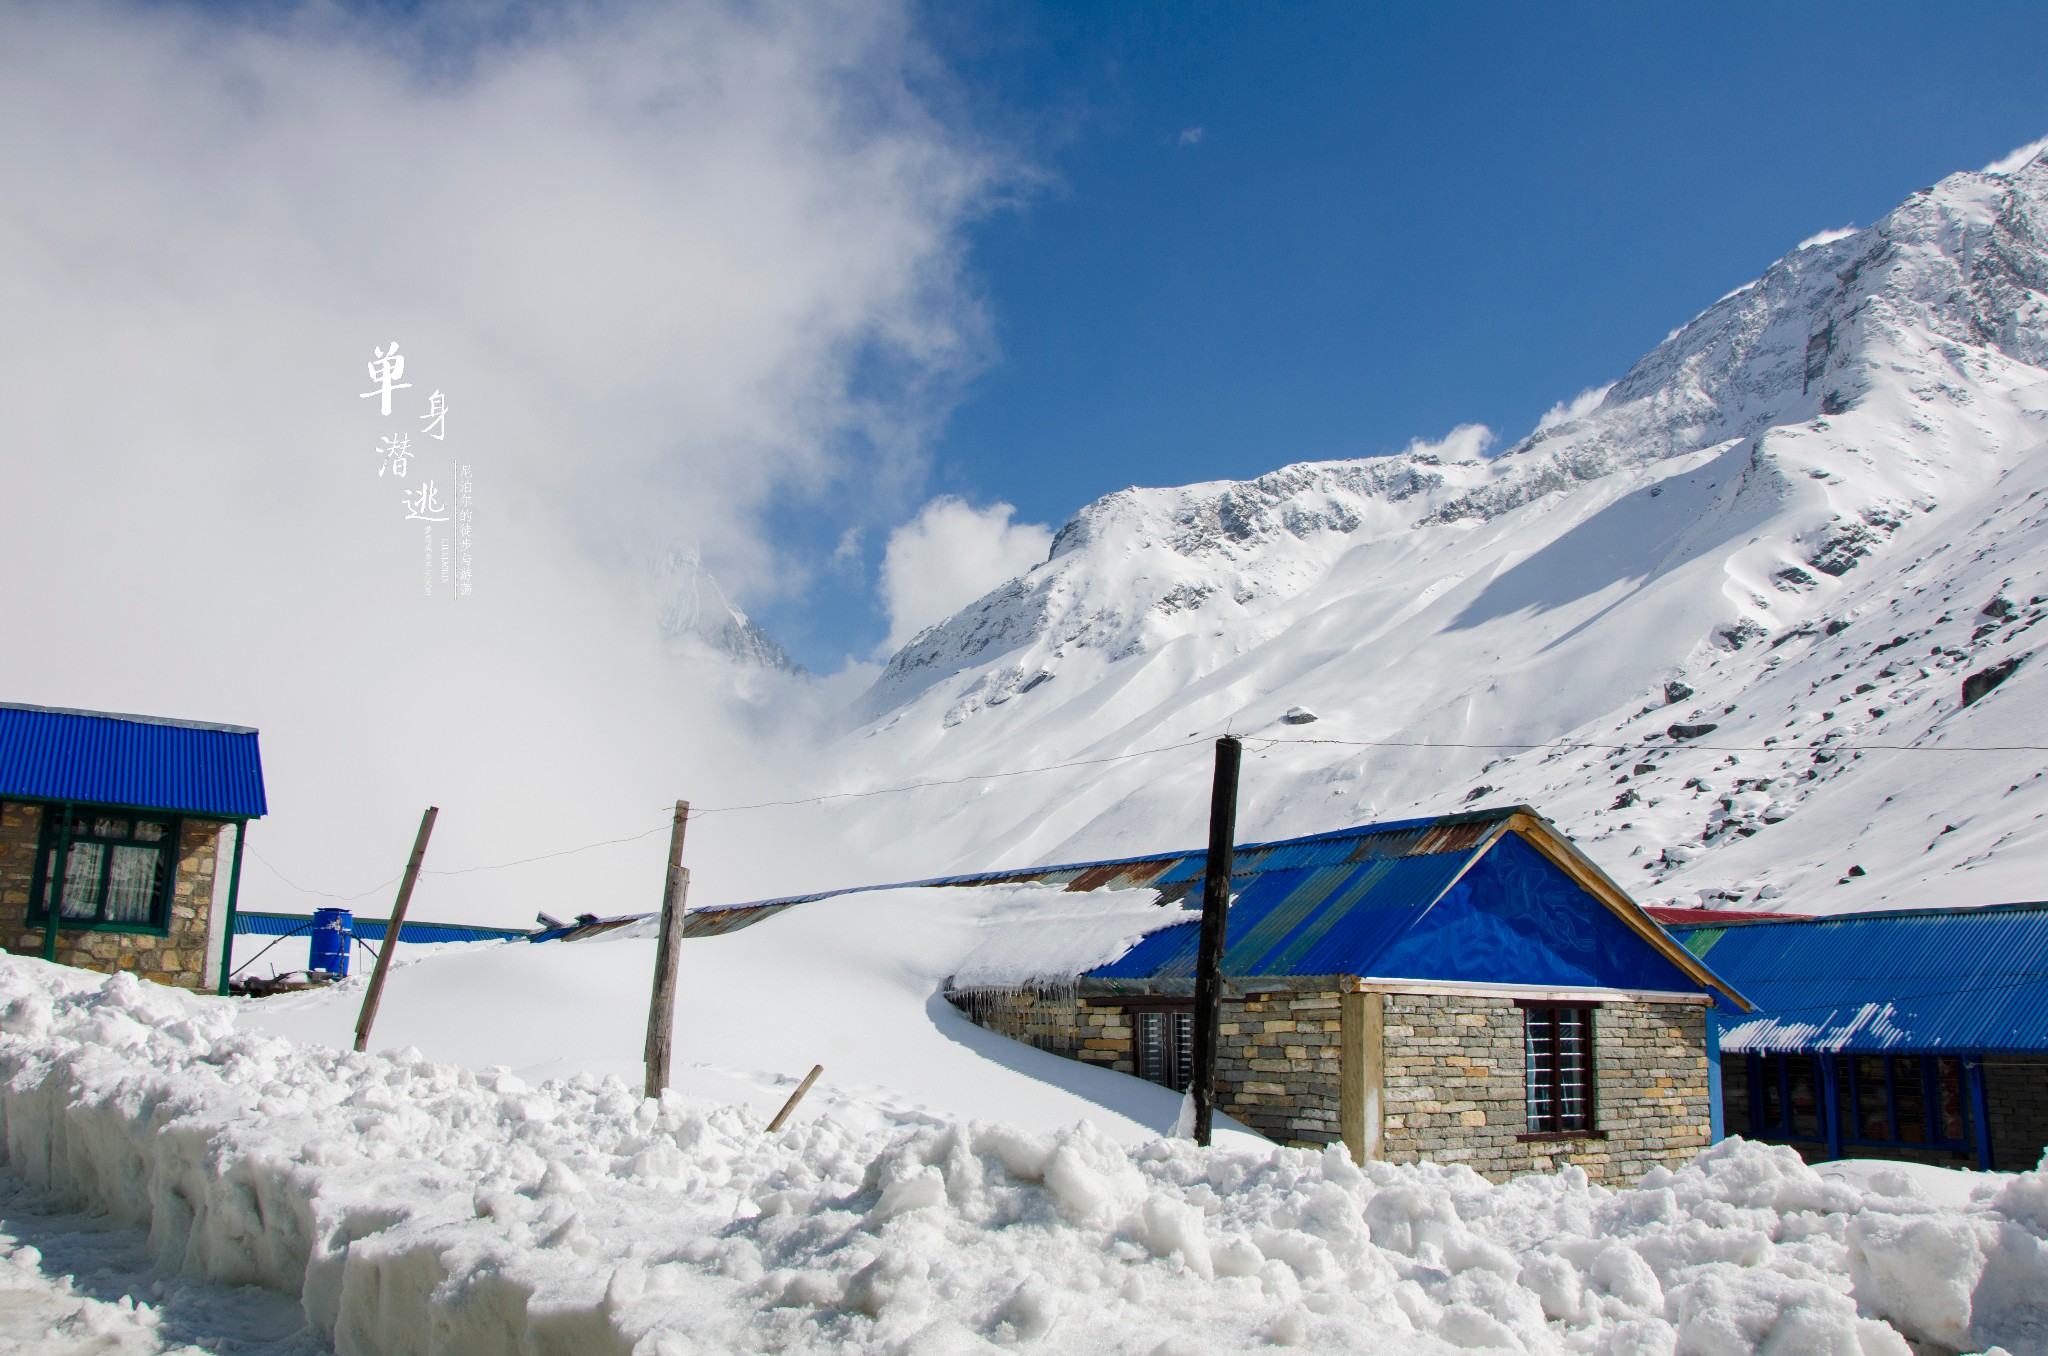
[661, 1010]
[1215, 929]
[392, 929]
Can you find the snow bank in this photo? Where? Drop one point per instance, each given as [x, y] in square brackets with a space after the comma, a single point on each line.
[413, 1205]
[851, 983]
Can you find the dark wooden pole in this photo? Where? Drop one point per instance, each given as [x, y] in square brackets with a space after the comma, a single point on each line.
[1215, 929]
[392, 929]
[661, 1010]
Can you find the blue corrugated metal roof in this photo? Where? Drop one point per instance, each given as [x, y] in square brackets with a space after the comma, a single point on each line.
[1322, 920]
[1331, 903]
[372, 929]
[98, 758]
[1915, 979]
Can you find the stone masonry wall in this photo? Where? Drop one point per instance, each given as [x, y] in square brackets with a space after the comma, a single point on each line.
[1453, 1087]
[1276, 1064]
[1450, 1074]
[2016, 1087]
[179, 958]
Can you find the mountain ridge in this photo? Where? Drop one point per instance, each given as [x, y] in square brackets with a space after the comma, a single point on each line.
[1802, 455]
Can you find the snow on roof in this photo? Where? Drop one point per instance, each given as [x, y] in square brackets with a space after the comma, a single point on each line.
[1956, 979]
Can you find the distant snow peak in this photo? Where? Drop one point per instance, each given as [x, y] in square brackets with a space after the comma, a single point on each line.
[692, 606]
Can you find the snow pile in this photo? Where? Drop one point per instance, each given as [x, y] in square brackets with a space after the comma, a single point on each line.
[415, 1205]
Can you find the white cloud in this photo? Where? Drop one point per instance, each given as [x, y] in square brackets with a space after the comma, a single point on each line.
[846, 554]
[949, 555]
[2019, 159]
[645, 249]
[1190, 136]
[1828, 237]
[1578, 407]
[1466, 442]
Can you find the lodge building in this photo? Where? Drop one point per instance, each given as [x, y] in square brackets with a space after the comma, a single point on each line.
[121, 840]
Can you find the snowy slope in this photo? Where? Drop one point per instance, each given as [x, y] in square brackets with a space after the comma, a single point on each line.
[1801, 521]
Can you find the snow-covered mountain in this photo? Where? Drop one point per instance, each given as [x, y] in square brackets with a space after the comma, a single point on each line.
[693, 609]
[1717, 621]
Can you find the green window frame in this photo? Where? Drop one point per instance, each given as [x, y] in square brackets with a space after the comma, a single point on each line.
[120, 866]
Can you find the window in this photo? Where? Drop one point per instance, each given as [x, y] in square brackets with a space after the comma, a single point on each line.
[1915, 1100]
[1905, 1099]
[1166, 1046]
[1787, 1103]
[117, 871]
[1558, 1062]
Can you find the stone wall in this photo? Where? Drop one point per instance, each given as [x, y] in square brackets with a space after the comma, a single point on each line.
[2016, 1087]
[1453, 1087]
[1276, 1061]
[1438, 1077]
[175, 957]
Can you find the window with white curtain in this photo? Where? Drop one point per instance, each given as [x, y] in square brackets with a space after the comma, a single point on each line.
[117, 868]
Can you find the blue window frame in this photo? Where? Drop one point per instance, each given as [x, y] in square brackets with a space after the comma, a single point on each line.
[1880, 1100]
[1784, 1097]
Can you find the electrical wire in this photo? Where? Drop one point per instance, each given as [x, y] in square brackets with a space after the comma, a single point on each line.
[1560, 746]
[274, 941]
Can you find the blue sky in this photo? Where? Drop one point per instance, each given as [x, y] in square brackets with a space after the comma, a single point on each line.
[1396, 219]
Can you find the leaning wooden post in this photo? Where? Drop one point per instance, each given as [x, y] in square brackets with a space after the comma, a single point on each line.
[1215, 929]
[392, 929]
[795, 1097]
[661, 1009]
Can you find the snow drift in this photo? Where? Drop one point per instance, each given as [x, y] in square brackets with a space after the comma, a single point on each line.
[417, 1206]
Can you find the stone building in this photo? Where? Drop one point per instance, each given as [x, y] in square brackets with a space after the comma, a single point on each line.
[1914, 1034]
[1467, 989]
[147, 817]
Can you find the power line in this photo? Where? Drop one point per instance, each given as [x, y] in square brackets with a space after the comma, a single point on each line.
[1565, 746]
[1657, 746]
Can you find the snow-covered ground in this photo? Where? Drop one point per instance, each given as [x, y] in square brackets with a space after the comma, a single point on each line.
[942, 1191]
[84, 1285]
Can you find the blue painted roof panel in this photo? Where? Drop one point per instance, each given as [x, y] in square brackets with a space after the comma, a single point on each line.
[102, 759]
[1301, 921]
[1923, 979]
[373, 929]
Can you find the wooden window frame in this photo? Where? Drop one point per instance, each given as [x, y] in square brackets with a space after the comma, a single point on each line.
[1591, 1129]
[53, 829]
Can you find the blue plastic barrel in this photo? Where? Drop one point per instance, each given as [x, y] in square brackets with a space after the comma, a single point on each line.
[334, 931]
